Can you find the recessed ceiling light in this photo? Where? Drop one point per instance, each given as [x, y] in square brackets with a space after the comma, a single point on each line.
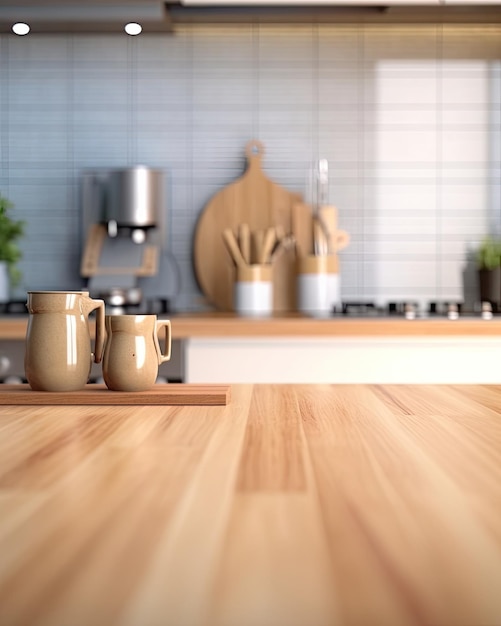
[133, 28]
[20, 28]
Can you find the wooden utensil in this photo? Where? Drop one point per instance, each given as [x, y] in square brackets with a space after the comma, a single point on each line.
[232, 246]
[285, 243]
[282, 242]
[337, 239]
[269, 241]
[254, 200]
[302, 227]
[257, 242]
[244, 242]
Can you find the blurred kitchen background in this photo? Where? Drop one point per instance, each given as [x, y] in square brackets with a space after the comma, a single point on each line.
[407, 115]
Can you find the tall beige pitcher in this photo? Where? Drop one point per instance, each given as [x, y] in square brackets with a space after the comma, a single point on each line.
[58, 354]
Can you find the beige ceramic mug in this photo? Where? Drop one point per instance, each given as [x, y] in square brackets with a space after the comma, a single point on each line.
[132, 351]
[58, 355]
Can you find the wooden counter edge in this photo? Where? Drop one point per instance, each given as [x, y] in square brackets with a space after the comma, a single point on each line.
[173, 394]
[187, 327]
[214, 325]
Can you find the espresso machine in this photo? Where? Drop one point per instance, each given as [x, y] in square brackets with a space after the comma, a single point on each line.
[124, 240]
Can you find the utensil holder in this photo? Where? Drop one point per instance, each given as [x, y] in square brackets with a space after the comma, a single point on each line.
[318, 284]
[253, 290]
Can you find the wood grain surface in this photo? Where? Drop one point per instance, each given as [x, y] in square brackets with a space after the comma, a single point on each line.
[297, 325]
[292, 506]
[260, 203]
[170, 394]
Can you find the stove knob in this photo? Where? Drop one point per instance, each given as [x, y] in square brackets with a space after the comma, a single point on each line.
[410, 312]
[486, 311]
[453, 312]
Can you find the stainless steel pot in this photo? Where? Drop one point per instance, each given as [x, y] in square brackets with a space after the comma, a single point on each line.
[135, 197]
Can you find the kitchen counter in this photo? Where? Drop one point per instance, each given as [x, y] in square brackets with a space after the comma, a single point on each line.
[294, 505]
[226, 348]
[293, 325]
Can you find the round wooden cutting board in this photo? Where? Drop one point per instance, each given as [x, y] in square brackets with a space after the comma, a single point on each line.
[255, 200]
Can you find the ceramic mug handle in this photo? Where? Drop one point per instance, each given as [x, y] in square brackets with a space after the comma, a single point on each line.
[100, 332]
[163, 357]
[98, 306]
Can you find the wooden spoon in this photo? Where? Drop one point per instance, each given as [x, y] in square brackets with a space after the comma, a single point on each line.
[232, 246]
[269, 242]
[245, 242]
[257, 242]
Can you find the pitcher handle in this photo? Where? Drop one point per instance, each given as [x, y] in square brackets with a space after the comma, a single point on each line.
[163, 357]
[100, 332]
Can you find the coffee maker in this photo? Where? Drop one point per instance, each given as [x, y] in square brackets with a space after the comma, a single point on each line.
[124, 239]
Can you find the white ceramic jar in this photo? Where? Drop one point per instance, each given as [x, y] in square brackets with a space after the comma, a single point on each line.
[253, 290]
[318, 285]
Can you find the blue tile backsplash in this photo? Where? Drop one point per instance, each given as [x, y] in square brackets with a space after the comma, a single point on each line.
[409, 118]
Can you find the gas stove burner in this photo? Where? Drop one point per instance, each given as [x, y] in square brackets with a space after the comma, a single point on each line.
[452, 310]
[371, 309]
[407, 308]
[158, 306]
[153, 306]
[359, 308]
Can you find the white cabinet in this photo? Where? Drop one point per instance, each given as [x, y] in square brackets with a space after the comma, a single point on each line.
[445, 360]
[346, 3]
[286, 3]
[471, 2]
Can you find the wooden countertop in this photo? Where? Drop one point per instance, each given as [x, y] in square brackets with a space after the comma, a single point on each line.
[228, 325]
[292, 506]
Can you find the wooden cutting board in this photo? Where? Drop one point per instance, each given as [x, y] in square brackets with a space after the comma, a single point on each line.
[168, 394]
[255, 200]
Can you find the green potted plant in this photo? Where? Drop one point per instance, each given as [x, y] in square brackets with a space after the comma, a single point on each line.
[10, 232]
[489, 269]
